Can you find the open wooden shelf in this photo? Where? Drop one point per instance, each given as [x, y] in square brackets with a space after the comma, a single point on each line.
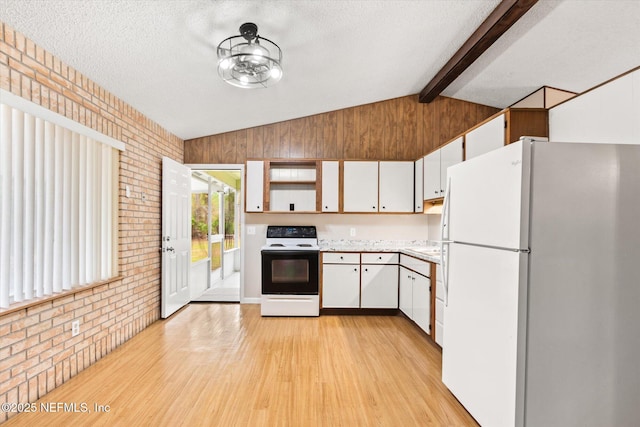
[276, 182]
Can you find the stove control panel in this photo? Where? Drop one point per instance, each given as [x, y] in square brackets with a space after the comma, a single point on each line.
[291, 231]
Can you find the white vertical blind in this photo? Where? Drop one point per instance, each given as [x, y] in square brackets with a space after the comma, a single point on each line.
[66, 211]
[82, 207]
[29, 194]
[75, 203]
[58, 190]
[49, 137]
[39, 213]
[17, 180]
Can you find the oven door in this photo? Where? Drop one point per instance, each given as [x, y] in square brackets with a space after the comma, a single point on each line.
[290, 272]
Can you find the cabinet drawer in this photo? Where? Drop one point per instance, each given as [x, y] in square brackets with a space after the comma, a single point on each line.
[380, 258]
[417, 265]
[340, 258]
[439, 290]
[440, 311]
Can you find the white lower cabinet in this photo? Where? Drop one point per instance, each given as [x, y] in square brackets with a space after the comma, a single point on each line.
[341, 280]
[415, 293]
[422, 302]
[349, 282]
[340, 286]
[406, 292]
[379, 286]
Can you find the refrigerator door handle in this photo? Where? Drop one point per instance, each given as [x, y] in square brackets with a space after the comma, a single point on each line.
[444, 250]
[444, 220]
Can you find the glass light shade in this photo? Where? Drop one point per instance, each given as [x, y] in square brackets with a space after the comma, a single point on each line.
[249, 63]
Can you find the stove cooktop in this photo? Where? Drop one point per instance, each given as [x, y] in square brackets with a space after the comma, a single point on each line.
[291, 238]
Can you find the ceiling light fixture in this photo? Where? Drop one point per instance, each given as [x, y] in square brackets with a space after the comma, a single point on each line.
[248, 60]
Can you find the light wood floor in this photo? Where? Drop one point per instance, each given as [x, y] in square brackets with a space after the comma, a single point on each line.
[224, 365]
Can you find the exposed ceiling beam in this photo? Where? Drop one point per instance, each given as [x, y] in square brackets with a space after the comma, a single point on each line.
[497, 23]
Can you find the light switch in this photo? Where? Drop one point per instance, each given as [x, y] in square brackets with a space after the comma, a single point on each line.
[251, 230]
[128, 191]
[352, 232]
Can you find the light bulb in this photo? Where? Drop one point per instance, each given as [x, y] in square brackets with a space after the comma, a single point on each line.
[225, 64]
[276, 73]
[244, 80]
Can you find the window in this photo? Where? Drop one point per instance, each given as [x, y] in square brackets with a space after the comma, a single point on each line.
[58, 202]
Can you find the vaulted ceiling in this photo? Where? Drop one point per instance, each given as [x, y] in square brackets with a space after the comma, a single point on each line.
[160, 56]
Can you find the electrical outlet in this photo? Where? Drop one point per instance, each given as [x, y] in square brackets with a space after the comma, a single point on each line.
[352, 232]
[75, 328]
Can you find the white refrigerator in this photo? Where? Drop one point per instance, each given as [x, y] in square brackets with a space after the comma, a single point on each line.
[542, 285]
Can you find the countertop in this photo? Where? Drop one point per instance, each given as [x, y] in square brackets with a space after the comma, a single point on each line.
[421, 249]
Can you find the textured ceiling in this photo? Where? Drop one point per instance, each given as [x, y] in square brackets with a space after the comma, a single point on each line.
[159, 55]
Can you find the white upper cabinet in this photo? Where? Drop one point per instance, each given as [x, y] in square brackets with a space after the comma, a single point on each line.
[255, 186]
[431, 184]
[607, 114]
[435, 168]
[360, 186]
[418, 184]
[330, 186]
[450, 154]
[487, 137]
[396, 186]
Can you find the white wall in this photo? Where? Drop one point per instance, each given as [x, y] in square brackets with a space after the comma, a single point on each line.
[434, 227]
[608, 114]
[329, 226]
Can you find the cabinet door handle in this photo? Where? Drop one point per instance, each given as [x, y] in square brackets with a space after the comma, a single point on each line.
[379, 257]
[436, 191]
[355, 269]
[341, 257]
[326, 207]
[366, 269]
[384, 207]
[373, 207]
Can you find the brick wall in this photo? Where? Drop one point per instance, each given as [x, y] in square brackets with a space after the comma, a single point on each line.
[37, 352]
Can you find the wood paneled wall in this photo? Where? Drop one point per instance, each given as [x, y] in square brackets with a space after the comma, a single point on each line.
[397, 129]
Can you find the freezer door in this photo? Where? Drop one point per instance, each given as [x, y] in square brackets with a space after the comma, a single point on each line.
[484, 333]
[489, 198]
